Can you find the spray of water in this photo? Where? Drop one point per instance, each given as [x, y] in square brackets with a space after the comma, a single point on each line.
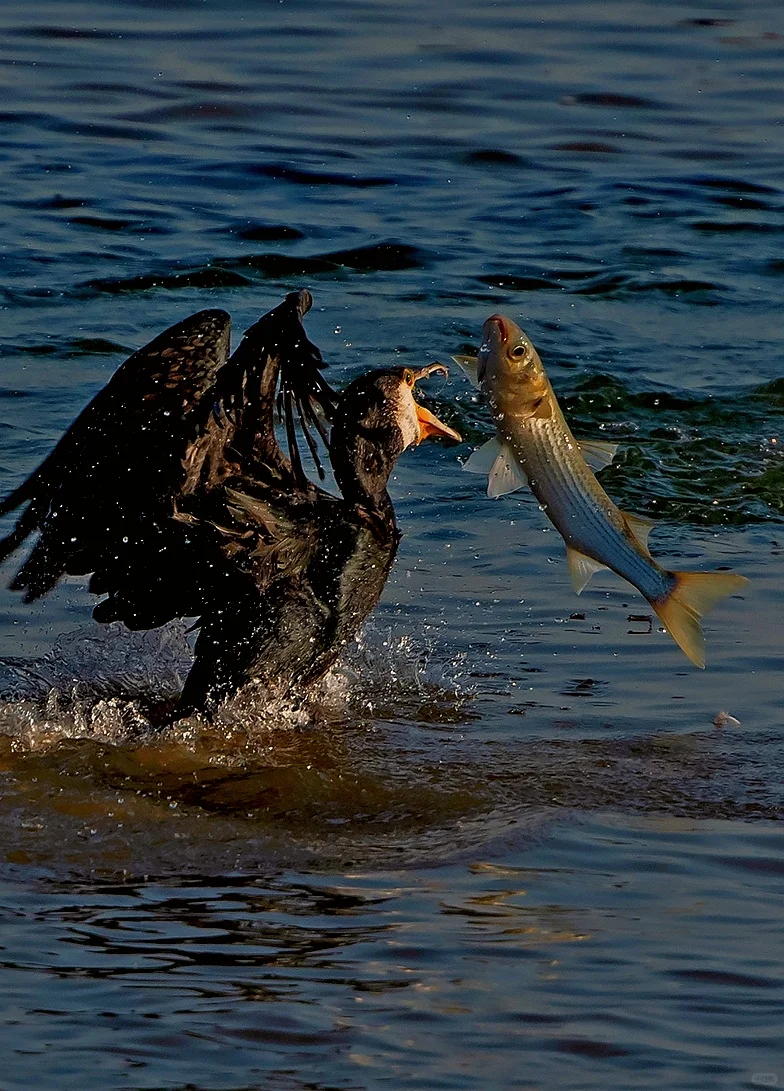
[116, 687]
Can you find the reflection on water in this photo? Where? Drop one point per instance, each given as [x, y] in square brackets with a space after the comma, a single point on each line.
[504, 844]
[296, 982]
[390, 758]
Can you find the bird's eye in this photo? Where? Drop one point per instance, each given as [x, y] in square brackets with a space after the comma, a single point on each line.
[519, 351]
[408, 377]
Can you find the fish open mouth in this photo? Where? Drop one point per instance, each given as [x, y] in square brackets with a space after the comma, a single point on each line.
[499, 325]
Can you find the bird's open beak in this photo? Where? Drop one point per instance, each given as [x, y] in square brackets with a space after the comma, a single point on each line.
[430, 425]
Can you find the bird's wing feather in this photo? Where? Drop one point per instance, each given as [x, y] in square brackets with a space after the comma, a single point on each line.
[173, 425]
[276, 367]
[245, 513]
[123, 454]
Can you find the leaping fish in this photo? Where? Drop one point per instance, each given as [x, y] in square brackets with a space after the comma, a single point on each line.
[534, 446]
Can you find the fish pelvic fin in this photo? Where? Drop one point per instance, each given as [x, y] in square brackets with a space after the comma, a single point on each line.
[597, 453]
[693, 596]
[497, 460]
[469, 366]
[581, 568]
[481, 460]
[506, 475]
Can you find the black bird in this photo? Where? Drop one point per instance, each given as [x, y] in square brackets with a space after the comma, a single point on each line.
[172, 490]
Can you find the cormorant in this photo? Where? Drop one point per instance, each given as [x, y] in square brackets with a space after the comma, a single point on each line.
[172, 490]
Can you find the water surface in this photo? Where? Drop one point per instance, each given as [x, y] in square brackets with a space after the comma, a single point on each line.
[505, 843]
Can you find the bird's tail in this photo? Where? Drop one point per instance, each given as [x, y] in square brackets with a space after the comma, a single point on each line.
[694, 595]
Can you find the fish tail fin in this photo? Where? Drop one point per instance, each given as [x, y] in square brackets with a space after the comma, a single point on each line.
[694, 595]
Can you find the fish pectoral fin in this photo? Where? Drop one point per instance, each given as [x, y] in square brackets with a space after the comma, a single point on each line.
[506, 474]
[581, 568]
[497, 460]
[482, 460]
[639, 526]
[469, 366]
[597, 453]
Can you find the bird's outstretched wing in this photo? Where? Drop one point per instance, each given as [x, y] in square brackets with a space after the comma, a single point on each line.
[275, 368]
[121, 457]
[120, 496]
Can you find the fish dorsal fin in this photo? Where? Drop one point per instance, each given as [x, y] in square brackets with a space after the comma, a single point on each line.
[639, 526]
[506, 474]
[481, 460]
[597, 453]
[469, 366]
[581, 568]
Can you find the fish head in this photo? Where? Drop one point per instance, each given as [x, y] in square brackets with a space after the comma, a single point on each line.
[506, 355]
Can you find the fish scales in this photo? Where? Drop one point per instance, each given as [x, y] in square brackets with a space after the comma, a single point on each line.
[578, 506]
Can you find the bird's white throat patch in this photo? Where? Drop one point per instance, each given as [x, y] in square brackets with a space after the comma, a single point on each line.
[406, 416]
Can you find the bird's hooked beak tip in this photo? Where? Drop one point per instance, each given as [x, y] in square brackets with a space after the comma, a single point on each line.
[429, 424]
[431, 369]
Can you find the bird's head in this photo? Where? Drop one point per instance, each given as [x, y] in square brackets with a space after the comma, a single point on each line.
[376, 419]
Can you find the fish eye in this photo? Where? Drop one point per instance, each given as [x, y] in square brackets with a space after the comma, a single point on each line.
[408, 377]
[519, 350]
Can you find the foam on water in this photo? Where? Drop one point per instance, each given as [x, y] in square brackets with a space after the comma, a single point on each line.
[110, 685]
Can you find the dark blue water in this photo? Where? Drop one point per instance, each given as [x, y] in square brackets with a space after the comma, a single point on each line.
[505, 843]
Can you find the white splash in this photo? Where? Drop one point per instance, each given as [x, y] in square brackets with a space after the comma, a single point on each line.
[109, 685]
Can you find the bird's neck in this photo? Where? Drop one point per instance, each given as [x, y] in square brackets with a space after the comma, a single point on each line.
[378, 512]
[371, 495]
[363, 483]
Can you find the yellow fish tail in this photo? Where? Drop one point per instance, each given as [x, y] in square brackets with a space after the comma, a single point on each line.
[694, 595]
